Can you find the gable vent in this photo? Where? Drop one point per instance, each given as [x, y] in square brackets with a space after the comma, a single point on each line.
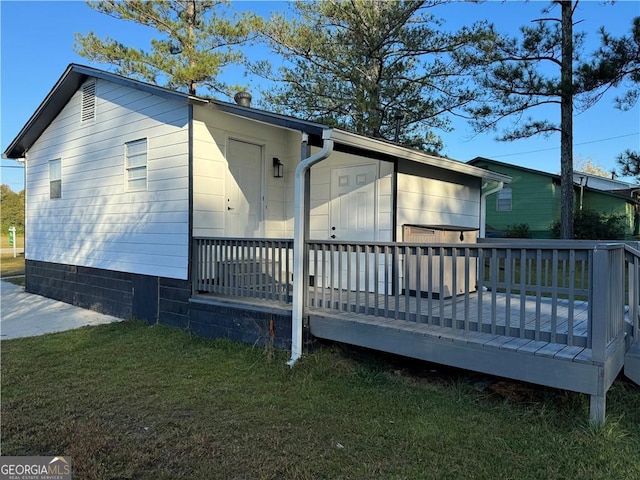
[88, 101]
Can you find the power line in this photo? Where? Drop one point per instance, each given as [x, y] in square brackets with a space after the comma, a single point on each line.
[11, 166]
[557, 148]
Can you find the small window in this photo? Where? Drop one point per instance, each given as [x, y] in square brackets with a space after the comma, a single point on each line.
[88, 102]
[136, 164]
[55, 178]
[503, 203]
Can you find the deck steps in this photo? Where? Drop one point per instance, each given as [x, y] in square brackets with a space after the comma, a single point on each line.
[632, 362]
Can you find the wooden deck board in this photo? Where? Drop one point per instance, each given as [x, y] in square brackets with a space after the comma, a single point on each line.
[514, 343]
[549, 350]
[569, 352]
[498, 341]
[468, 335]
[532, 347]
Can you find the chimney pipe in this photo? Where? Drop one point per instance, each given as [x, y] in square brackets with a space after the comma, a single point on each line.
[243, 99]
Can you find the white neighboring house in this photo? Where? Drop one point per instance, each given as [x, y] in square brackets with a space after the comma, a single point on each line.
[122, 175]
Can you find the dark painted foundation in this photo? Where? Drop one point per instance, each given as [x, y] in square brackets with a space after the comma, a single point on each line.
[160, 300]
[253, 324]
[103, 291]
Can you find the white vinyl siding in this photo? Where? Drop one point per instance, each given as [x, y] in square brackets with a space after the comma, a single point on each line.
[98, 222]
[504, 200]
[136, 164]
[212, 133]
[445, 199]
[55, 179]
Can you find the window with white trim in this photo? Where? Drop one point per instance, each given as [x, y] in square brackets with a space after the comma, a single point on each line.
[55, 178]
[136, 164]
[504, 200]
[88, 108]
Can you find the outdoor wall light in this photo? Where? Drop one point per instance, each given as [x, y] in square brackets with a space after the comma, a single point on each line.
[278, 168]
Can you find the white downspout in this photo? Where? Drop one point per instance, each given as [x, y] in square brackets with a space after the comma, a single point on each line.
[299, 229]
[483, 208]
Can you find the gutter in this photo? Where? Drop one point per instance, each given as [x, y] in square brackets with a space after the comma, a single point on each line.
[299, 239]
[483, 208]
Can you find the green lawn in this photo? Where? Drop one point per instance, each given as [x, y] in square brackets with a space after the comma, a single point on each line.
[9, 266]
[4, 240]
[131, 401]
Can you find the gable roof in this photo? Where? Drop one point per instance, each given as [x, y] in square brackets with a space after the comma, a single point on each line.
[75, 75]
[623, 194]
[515, 167]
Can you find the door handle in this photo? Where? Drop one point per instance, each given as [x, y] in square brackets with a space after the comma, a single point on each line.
[229, 208]
[333, 236]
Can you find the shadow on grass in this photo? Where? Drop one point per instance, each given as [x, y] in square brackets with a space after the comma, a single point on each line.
[129, 400]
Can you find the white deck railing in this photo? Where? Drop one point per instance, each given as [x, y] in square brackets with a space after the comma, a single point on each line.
[632, 288]
[571, 294]
[257, 268]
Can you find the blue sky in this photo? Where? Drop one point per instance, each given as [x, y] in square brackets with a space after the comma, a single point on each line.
[37, 44]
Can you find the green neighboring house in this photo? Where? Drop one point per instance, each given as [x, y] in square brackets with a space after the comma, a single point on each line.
[533, 197]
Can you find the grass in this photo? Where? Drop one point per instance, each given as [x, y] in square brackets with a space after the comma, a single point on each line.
[4, 241]
[132, 401]
[9, 266]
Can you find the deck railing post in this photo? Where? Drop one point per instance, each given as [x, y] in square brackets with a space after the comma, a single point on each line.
[195, 270]
[600, 307]
[606, 321]
[634, 300]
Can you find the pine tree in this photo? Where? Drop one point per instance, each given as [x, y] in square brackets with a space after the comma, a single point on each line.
[378, 68]
[523, 74]
[617, 64]
[194, 41]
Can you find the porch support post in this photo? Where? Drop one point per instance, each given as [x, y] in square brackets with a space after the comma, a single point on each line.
[300, 234]
[597, 409]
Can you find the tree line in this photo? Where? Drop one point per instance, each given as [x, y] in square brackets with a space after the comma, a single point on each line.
[389, 69]
[12, 211]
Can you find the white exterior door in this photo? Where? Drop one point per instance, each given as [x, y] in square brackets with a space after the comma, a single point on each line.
[353, 207]
[244, 190]
[352, 218]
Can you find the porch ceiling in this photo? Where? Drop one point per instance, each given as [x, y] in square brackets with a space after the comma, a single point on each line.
[383, 150]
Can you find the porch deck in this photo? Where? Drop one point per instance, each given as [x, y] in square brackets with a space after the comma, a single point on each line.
[534, 334]
[536, 361]
[534, 316]
[528, 355]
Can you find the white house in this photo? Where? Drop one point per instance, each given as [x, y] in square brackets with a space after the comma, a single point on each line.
[121, 176]
[230, 221]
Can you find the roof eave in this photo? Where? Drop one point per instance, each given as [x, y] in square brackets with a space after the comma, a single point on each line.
[292, 123]
[398, 151]
[66, 86]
